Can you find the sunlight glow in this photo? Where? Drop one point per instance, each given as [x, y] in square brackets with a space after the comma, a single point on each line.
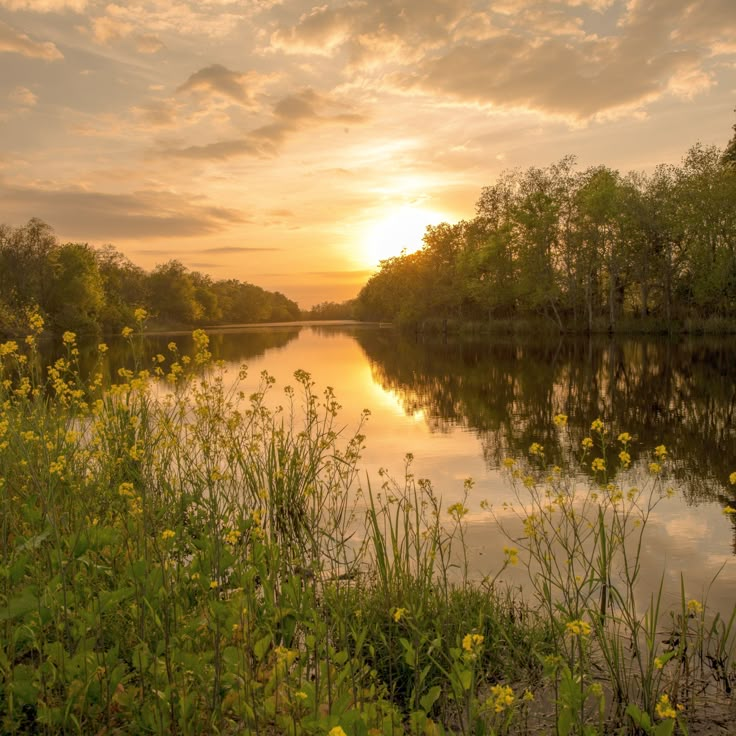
[400, 229]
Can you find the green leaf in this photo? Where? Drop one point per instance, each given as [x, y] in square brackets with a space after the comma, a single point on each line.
[430, 698]
[109, 599]
[410, 656]
[665, 728]
[564, 722]
[261, 647]
[466, 679]
[20, 605]
[640, 717]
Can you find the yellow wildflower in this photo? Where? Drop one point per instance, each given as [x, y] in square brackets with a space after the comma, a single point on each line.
[694, 607]
[511, 554]
[664, 708]
[457, 510]
[732, 478]
[625, 458]
[336, 731]
[300, 694]
[560, 420]
[536, 449]
[399, 613]
[655, 468]
[167, 534]
[140, 314]
[214, 584]
[599, 464]
[509, 462]
[597, 426]
[68, 338]
[232, 537]
[578, 627]
[658, 663]
[587, 443]
[471, 642]
[660, 451]
[126, 331]
[102, 348]
[35, 321]
[624, 438]
[729, 510]
[126, 489]
[502, 697]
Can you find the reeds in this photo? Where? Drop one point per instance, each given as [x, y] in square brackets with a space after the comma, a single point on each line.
[179, 557]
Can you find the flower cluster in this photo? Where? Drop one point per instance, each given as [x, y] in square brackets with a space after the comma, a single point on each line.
[502, 697]
[472, 643]
[578, 627]
[664, 708]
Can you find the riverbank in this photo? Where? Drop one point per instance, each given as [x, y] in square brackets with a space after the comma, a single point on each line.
[544, 325]
[194, 561]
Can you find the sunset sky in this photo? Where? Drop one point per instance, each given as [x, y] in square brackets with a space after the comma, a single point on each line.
[292, 144]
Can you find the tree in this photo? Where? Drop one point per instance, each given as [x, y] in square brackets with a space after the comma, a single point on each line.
[172, 294]
[76, 293]
[729, 154]
[25, 265]
[124, 285]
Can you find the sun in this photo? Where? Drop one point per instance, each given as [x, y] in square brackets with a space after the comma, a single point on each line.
[399, 229]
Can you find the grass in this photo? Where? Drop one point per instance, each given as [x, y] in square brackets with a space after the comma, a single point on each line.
[179, 557]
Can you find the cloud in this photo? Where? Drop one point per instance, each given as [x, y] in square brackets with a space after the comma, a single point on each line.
[298, 106]
[319, 31]
[45, 6]
[109, 28]
[99, 216]
[23, 98]
[147, 43]
[217, 80]
[194, 18]
[17, 42]
[292, 114]
[220, 150]
[238, 249]
[577, 59]
[579, 79]
[157, 113]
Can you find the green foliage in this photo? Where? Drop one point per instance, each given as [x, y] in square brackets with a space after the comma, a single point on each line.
[179, 557]
[584, 250]
[85, 290]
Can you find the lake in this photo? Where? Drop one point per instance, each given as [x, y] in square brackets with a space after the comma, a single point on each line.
[462, 406]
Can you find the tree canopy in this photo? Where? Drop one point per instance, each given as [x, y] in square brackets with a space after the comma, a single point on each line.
[588, 250]
[84, 289]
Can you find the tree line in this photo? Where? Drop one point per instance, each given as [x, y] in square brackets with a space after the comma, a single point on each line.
[588, 250]
[84, 289]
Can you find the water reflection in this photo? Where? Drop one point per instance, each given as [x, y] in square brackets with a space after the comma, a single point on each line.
[461, 406]
[681, 394]
[138, 352]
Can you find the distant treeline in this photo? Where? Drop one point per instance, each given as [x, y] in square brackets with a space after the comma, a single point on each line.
[84, 289]
[332, 310]
[589, 250]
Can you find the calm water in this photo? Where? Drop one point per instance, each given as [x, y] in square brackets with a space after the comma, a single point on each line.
[460, 407]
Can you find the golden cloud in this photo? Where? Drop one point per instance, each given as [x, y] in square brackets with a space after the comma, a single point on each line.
[14, 41]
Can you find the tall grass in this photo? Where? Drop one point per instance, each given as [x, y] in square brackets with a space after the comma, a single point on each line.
[179, 557]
